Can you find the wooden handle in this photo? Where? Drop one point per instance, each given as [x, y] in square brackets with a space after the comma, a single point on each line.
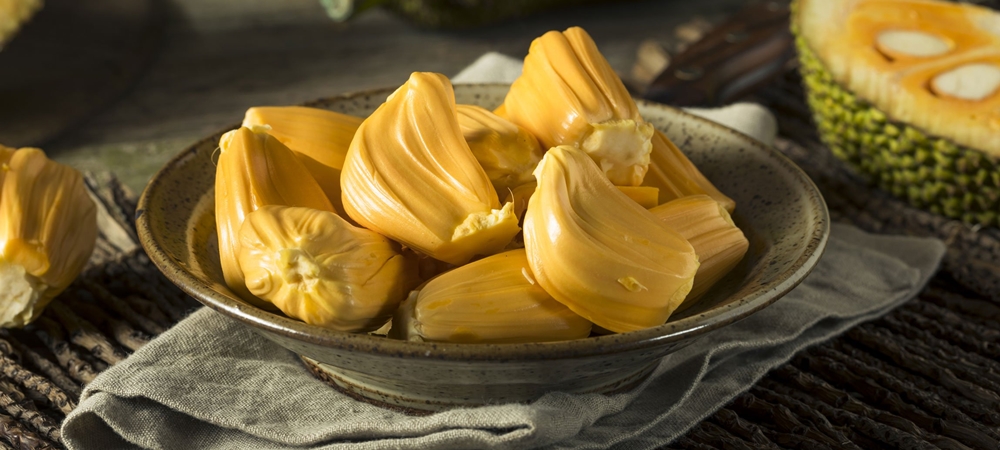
[730, 61]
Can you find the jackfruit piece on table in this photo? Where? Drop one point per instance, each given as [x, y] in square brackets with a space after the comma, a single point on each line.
[600, 253]
[255, 170]
[718, 242]
[508, 153]
[908, 92]
[411, 176]
[316, 267]
[48, 227]
[319, 138]
[493, 300]
[568, 94]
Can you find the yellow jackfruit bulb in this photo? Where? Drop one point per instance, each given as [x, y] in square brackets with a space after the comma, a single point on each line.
[598, 252]
[569, 95]
[520, 195]
[717, 241]
[48, 226]
[256, 170]
[318, 268]
[410, 176]
[319, 138]
[508, 153]
[673, 173]
[492, 300]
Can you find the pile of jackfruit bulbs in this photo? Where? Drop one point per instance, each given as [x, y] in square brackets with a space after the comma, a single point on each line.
[560, 214]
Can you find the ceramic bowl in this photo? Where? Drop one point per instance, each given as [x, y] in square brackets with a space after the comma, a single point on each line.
[779, 209]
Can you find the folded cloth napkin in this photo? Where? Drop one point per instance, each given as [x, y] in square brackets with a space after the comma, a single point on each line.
[209, 382]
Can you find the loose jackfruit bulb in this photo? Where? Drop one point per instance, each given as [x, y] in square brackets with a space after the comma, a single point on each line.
[256, 170]
[568, 94]
[675, 176]
[492, 300]
[316, 267]
[507, 152]
[598, 252]
[410, 176]
[319, 138]
[717, 241]
[48, 226]
[908, 93]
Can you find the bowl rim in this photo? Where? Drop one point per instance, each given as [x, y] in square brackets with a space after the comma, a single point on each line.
[661, 335]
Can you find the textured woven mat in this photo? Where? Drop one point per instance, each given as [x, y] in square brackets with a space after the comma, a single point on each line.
[925, 376]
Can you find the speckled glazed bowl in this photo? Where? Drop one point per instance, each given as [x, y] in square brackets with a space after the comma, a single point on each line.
[778, 207]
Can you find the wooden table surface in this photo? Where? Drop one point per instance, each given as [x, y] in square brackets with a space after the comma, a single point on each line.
[219, 57]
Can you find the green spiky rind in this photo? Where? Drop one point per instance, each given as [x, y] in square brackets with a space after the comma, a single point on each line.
[929, 172]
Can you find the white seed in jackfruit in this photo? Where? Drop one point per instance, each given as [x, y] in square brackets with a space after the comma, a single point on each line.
[968, 82]
[911, 43]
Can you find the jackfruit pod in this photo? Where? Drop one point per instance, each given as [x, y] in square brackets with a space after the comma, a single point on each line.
[410, 176]
[256, 170]
[318, 268]
[600, 253]
[318, 137]
[568, 94]
[492, 300]
[508, 153]
[676, 176]
[48, 226]
[519, 197]
[717, 241]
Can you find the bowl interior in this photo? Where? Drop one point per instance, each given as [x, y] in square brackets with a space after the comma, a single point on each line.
[778, 208]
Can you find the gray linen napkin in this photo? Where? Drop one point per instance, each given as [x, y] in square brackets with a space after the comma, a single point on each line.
[210, 383]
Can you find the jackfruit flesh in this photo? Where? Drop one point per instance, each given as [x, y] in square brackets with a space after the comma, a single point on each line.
[718, 242]
[600, 253]
[508, 153]
[48, 227]
[493, 300]
[411, 176]
[256, 170]
[676, 176]
[319, 138]
[568, 94]
[906, 91]
[315, 266]
[519, 196]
